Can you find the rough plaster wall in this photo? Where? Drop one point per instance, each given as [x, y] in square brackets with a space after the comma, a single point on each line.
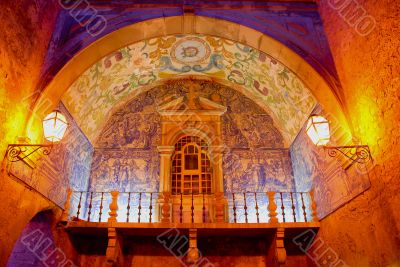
[366, 231]
[25, 31]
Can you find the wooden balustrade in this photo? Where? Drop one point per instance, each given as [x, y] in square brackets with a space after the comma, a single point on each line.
[230, 207]
[113, 207]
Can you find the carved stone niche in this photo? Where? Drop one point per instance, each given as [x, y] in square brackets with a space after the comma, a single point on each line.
[199, 117]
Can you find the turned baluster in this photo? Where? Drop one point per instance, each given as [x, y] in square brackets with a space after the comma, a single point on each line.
[128, 207]
[140, 206]
[151, 206]
[313, 207]
[79, 206]
[90, 206]
[234, 207]
[192, 209]
[113, 207]
[293, 207]
[303, 207]
[245, 207]
[181, 210]
[272, 207]
[101, 206]
[282, 207]
[204, 210]
[257, 213]
[65, 214]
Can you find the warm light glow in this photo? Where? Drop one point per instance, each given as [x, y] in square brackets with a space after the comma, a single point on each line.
[318, 130]
[54, 126]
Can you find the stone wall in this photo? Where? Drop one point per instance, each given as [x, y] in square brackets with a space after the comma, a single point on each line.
[365, 232]
[26, 29]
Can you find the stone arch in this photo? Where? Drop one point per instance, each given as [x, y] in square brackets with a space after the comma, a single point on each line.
[177, 135]
[178, 25]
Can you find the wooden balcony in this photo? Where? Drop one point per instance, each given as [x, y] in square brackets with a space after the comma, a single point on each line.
[112, 217]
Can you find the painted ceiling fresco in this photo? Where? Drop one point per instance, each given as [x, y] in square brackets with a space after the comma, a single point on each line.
[296, 24]
[115, 77]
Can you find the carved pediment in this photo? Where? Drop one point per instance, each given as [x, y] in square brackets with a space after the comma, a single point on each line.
[200, 106]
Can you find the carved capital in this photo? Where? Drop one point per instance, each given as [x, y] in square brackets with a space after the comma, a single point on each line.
[166, 150]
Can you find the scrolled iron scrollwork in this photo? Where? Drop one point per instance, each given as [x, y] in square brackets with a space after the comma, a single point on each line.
[18, 152]
[358, 154]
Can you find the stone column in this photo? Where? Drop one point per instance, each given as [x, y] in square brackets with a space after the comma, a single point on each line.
[165, 167]
[218, 177]
[216, 160]
[165, 182]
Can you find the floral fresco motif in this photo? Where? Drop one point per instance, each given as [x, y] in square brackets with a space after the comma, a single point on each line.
[112, 79]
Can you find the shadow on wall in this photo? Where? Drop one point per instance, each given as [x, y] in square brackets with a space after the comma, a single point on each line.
[36, 246]
[37, 233]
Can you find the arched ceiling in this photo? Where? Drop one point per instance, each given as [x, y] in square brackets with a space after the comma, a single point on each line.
[121, 75]
[296, 24]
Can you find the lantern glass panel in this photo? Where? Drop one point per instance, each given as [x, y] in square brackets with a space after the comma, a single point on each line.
[318, 130]
[54, 126]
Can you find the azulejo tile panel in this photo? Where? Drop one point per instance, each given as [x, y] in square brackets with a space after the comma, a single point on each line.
[67, 166]
[115, 77]
[126, 157]
[314, 169]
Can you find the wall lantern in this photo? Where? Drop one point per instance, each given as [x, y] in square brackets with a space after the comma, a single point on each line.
[318, 131]
[54, 128]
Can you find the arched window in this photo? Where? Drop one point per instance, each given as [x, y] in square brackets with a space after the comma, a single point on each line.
[191, 167]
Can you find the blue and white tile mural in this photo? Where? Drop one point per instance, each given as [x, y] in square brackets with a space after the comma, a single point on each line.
[68, 165]
[125, 170]
[314, 169]
[257, 171]
[126, 156]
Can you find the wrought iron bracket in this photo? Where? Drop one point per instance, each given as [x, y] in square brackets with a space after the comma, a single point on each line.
[357, 154]
[20, 152]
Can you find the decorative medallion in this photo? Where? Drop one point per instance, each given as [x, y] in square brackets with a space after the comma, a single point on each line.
[190, 50]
